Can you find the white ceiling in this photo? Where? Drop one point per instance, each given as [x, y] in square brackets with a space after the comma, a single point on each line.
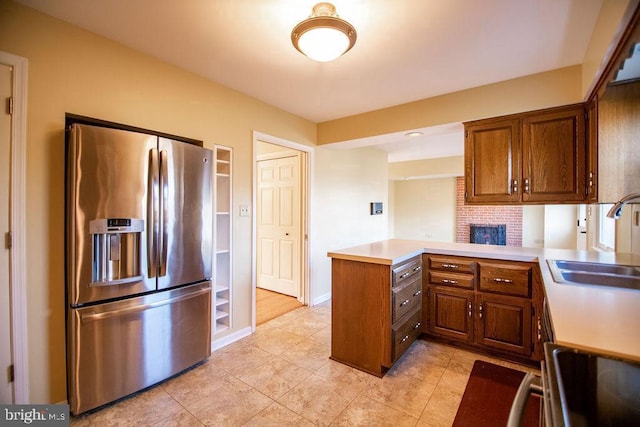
[406, 50]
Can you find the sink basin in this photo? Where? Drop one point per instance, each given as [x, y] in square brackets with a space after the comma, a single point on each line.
[594, 267]
[591, 273]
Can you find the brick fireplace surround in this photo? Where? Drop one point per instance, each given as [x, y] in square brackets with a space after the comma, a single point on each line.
[466, 215]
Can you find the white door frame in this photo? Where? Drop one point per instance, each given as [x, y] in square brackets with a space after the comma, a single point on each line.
[18, 272]
[306, 174]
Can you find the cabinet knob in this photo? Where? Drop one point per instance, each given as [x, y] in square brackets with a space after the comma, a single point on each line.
[469, 308]
[417, 293]
[526, 185]
[417, 325]
[480, 311]
[418, 268]
[454, 266]
[515, 185]
[450, 282]
[405, 302]
[406, 337]
[499, 280]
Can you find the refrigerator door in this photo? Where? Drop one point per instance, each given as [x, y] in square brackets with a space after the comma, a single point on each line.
[109, 180]
[186, 230]
[117, 348]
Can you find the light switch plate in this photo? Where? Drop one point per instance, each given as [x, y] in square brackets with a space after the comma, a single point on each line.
[244, 210]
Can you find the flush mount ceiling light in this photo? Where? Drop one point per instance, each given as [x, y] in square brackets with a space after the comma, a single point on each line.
[323, 36]
[413, 133]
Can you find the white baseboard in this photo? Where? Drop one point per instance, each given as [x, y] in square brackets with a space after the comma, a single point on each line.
[321, 299]
[231, 338]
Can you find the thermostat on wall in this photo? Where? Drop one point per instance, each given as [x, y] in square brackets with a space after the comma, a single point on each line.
[376, 208]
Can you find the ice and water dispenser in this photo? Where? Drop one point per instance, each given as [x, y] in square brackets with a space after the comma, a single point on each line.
[116, 250]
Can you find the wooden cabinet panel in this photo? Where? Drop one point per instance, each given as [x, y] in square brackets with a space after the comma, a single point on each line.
[455, 280]
[504, 323]
[406, 297]
[492, 161]
[495, 313]
[451, 313]
[369, 316]
[532, 157]
[618, 136]
[505, 278]
[406, 333]
[553, 152]
[592, 152]
[456, 265]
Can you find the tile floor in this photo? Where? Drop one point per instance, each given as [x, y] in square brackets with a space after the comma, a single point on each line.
[282, 376]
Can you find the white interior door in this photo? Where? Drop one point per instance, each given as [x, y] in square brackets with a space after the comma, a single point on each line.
[278, 225]
[6, 387]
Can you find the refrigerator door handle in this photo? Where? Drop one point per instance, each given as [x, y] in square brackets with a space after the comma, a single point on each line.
[89, 317]
[152, 213]
[163, 234]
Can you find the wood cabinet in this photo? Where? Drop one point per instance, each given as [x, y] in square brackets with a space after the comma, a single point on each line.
[486, 304]
[376, 312]
[534, 157]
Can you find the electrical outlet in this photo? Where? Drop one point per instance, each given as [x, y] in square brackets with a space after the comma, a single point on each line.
[244, 210]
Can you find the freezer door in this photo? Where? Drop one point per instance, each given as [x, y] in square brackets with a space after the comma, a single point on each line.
[186, 230]
[108, 177]
[115, 349]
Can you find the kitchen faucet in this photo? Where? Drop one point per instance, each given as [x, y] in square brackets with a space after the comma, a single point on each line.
[616, 211]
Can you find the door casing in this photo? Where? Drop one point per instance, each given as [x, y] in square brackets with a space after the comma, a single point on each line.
[306, 172]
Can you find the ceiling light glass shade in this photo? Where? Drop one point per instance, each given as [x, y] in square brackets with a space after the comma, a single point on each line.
[323, 36]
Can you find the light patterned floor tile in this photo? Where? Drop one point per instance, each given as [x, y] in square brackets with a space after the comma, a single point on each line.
[275, 377]
[316, 399]
[308, 354]
[441, 408]
[367, 412]
[401, 392]
[276, 415]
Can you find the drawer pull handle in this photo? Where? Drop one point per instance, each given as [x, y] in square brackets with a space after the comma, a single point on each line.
[450, 266]
[418, 268]
[451, 282]
[407, 274]
[469, 307]
[406, 337]
[499, 280]
[417, 325]
[417, 293]
[405, 302]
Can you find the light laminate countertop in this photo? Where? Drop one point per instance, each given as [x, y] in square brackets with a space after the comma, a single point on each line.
[595, 318]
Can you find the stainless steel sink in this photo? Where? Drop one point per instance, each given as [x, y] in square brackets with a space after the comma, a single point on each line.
[591, 273]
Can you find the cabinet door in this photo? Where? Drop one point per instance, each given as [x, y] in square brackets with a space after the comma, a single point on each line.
[450, 313]
[553, 152]
[592, 152]
[504, 323]
[492, 162]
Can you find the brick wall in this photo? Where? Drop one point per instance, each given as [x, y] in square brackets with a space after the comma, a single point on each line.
[465, 215]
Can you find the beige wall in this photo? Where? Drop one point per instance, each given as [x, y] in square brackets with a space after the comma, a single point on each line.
[606, 27]
[71, 70]
[431, 168]
[533, 226]
[346, 181]
[553, 88]
[425, 209]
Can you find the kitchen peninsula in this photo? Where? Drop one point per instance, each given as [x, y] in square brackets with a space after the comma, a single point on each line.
[493, 300]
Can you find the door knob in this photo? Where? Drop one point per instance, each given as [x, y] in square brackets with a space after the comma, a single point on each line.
[286, 234]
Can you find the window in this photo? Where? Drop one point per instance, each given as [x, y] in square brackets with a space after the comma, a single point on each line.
[606, 230]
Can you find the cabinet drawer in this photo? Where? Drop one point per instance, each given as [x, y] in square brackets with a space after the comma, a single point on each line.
[457, 265]
[405, 334]
[510, 279]
[404, 271]
[455, 280]
[406, 297]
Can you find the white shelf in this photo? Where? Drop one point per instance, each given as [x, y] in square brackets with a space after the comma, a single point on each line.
[222, 263]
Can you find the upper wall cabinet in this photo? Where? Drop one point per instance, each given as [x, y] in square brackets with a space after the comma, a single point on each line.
[616, 97]
[534, 157]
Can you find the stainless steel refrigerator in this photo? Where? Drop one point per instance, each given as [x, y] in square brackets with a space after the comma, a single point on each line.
[139, 246]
